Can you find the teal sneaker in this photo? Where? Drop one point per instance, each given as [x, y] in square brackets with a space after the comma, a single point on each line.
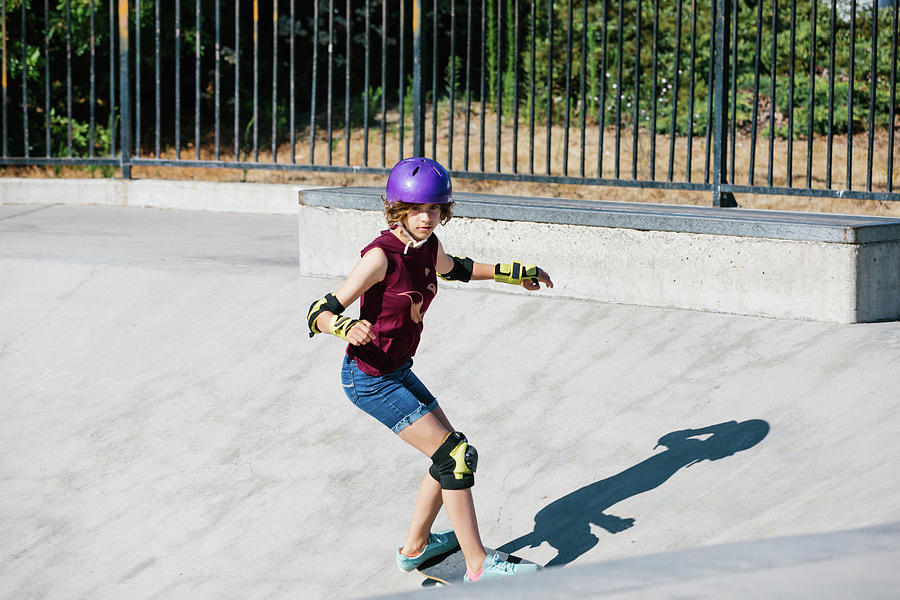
[494, 566]
[438, 543]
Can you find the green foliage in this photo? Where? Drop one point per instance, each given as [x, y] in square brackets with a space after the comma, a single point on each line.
[374, 104]
[453, 75]
[619, 65]
[629, 55]
[59, 136]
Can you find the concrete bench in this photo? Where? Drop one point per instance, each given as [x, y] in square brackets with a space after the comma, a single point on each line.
[834, 268]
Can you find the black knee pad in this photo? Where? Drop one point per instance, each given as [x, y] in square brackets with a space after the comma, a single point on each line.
[454, 463]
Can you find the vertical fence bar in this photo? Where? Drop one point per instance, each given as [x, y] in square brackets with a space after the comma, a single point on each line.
[330, 87]
[873, 78]
[237, 79]
[516, 31]
[604, 75]
[274, 81]
[383, 80]
[619, 45]
[550, 81]
[347, 68]
[483, 77]
[177, 79]
[47, 141]
[218, 80]
[112, 78]
[814, 13]
[636, 119]
[452, 90]
[515, 67]
[256, 81]
[735, 8]
[368, 40]
[582, 97]
[418, 97]
[830, 148]
[157, 79]
[714, 61]
[137, 77]
[312, 94]
[676, 76]
[693, 63]
[791, 57]
[468, 84]
[852, 83]
[68, 73]
[772, 86]
[568, 88]
[197, 4]
[3, 100]
[93, 71]
[124, 90]
[292, 102]
[25, 140]
[531, 89]
[402, 82]
[499, 106]
[434, 77]
[756, 67]
[891, 126]
[720, 141]
[653, 90]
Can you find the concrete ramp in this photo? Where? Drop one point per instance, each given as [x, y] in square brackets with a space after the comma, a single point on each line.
[169, 430]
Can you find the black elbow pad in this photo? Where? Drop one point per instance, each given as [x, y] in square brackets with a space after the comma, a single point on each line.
[461, 271]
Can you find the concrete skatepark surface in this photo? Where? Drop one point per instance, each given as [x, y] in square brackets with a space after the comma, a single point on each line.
[169, 430]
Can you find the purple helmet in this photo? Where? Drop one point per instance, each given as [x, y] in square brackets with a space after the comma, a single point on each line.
[418, 181]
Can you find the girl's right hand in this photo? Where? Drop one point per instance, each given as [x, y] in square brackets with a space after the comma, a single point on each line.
[360, 333]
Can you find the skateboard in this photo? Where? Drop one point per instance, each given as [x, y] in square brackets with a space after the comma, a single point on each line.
[450, 567]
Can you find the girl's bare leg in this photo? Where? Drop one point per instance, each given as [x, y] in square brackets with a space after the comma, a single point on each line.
[428, 505]
[427, 434]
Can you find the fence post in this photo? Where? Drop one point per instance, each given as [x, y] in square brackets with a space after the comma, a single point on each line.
[723, 10]
[418, 103]
[124, 92]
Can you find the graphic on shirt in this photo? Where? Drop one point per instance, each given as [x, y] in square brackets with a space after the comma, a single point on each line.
[415, 305]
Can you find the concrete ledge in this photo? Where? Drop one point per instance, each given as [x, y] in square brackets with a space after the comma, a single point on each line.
[644, 217]
[154, 193]
[833, 268]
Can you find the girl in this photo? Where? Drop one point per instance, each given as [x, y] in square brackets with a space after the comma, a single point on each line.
[397, 280]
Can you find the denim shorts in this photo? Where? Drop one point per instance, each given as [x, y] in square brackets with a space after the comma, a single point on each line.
[397, 399]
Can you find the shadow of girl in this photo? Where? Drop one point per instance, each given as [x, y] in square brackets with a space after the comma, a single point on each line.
[565, 523]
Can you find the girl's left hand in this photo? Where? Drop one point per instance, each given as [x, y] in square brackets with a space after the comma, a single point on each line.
[543, 277]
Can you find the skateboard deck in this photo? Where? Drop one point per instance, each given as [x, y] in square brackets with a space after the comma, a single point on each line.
[450, 567]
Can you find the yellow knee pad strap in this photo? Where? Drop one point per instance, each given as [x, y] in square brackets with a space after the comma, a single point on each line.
[454, 463]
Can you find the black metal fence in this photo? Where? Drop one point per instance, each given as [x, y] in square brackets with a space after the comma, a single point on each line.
[756, 97]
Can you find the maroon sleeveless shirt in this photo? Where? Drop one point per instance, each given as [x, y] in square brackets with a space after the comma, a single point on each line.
[396, 305]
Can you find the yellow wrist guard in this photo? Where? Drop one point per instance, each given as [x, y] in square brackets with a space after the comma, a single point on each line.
[515, 273]
[340, 326]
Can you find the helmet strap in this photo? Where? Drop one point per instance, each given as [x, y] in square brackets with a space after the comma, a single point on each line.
[412, 241]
